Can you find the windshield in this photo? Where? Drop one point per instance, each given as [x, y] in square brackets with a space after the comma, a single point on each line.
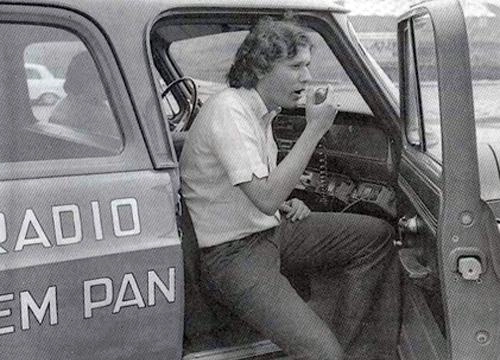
[219, 48]
[375, 24]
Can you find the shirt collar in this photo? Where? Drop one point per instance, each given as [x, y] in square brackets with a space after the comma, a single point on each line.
[256, 103]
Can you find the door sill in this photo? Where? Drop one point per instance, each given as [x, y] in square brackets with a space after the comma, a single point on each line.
[249, 351]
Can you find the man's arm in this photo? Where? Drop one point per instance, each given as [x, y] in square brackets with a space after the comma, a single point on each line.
[269, 193]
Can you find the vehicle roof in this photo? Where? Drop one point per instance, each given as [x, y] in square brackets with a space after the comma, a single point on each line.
[323, 4]
[129, 7]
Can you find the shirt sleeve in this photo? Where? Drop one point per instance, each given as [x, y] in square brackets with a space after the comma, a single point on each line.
[236, 142]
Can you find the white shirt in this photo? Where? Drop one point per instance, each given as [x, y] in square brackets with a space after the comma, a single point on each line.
[228, 143]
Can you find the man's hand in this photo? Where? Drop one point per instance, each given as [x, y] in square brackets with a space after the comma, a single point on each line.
[320, 116]
[295, 209]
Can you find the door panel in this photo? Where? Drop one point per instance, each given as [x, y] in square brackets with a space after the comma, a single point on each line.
[91, 268]
[459, 253]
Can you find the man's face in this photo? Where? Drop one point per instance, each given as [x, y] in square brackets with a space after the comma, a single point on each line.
[285, 84]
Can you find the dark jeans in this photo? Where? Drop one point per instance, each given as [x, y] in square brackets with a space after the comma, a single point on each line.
[363, 323]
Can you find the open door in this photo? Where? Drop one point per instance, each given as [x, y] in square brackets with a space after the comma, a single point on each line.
[450, 251]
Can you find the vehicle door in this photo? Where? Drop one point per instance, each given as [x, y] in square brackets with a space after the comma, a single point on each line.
[451, 241]
[90, 258]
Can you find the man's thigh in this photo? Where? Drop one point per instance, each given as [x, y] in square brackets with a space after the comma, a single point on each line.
[245, 276]
[231, 270]
[330, 240]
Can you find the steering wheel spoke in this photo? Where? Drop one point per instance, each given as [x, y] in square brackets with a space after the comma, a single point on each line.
[187, 116]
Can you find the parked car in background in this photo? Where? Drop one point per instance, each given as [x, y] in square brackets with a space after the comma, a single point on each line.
[44, 88]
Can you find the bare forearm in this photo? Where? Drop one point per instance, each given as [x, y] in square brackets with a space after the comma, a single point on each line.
[269, 193]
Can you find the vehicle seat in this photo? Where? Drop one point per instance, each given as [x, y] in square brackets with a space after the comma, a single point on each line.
[178, 138]
[85, 106]
[206, 322]
[198, 317]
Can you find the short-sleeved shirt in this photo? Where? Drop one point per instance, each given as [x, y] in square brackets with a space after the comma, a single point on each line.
[227, 145]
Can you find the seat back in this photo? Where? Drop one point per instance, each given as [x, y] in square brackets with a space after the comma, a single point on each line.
[199, 319]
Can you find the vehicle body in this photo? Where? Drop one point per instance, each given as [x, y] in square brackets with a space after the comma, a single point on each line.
[44, 88]
[99, 257]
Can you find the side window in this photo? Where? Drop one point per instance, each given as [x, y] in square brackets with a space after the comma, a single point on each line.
[218, 49]
[32, 73]
[425, 54]
[209, 70]
[411, 99]
[52, 98]
[423, 126]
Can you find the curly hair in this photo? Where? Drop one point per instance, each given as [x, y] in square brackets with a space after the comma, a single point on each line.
[269, 41]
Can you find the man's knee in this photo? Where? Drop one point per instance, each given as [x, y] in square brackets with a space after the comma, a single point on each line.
[382, 233]
[375, 241]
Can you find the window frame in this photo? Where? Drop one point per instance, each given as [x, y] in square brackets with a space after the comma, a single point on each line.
[422, 105]
[134, 155]
[414, 154]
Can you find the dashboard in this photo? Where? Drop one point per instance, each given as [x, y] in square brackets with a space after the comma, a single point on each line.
[350, 169]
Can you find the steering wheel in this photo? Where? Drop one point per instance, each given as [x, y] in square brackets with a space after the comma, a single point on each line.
[186, 120]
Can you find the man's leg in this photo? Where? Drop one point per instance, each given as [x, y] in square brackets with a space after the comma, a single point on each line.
[245, 276]
[359, 249]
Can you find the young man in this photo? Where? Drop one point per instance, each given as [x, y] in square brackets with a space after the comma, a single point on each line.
[235, 191]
